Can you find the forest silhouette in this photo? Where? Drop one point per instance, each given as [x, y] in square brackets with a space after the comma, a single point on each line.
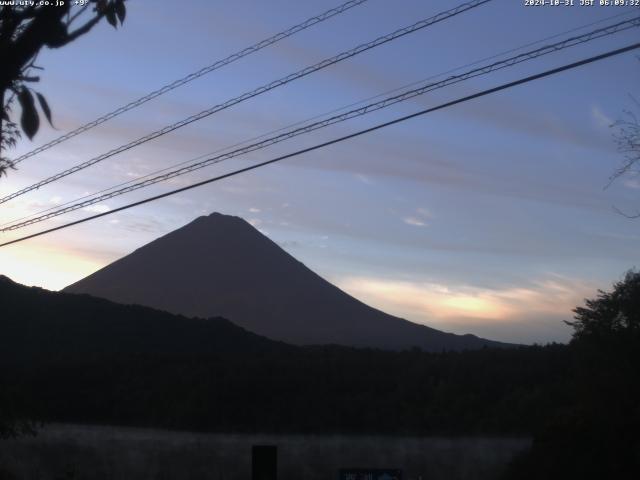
[76, 358]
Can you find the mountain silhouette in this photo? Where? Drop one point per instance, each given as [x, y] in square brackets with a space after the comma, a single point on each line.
[220, 265]
[39, 326]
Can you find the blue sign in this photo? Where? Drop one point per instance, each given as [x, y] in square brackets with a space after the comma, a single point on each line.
[370, 474]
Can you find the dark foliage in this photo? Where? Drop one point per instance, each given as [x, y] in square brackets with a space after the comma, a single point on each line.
[75, 358]
[81, 359]
[25, 29]
[612, 316]
[595, 435]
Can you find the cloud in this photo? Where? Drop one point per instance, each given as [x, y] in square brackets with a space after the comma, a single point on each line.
[286, 244]
[444, 170]
[462, 308]
[99, 208]
[48, 265]
[182, 201]
[419, 219]
[507, 114]
[144, 226]
[254, 210]
[363, 178]
[600, 118]
[633, 183]
[416, 222]
[424, 212]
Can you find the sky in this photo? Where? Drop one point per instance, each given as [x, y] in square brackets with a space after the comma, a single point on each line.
[490, 217]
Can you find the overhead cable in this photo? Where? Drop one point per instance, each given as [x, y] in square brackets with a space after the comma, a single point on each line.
[387, 102]
[483, 93]
[192, 76]
[258, 91]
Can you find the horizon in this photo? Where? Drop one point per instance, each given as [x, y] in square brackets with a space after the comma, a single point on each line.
[488, 218]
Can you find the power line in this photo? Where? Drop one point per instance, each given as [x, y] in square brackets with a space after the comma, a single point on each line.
[192, 76]
[483, 93]
[258, 91]
[509, 62]
[315, 117]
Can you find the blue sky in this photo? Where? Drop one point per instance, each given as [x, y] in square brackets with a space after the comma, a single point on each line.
[489, 217]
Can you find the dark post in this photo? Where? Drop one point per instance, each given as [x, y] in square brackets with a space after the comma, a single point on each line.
[264, 462]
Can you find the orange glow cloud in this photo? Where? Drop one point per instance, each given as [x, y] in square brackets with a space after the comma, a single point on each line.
[435, 303]
[45, 265]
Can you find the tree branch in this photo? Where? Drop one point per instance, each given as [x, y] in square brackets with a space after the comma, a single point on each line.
[77, 14]
[86, 28]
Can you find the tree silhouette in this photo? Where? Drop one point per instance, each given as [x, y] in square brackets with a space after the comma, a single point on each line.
[595, 435]
[627, 138]
[15, 412]
[24, 31]
[615, 313]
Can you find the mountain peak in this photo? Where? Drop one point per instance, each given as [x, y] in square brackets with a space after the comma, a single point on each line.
[217, 216]
[221, 215]
[6, 280]
[217, 219]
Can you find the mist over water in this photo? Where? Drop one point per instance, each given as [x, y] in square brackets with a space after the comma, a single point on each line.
[105, 453]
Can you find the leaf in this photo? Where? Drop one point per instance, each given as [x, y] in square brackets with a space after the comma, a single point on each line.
[29, 120]
[45, 107]
[111, 17]
[100, 5]
[121, 10]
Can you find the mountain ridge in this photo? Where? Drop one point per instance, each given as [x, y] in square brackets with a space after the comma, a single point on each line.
[81, 359]
[39, 323]
[220, 265]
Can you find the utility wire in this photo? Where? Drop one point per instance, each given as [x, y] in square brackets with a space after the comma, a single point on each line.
[192, 76]
[509, 62]
[258, 91]
[315, 117]
[483, 93]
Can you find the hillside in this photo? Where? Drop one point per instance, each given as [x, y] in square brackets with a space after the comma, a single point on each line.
[220, 265]
[39, 324]
[76, 358]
